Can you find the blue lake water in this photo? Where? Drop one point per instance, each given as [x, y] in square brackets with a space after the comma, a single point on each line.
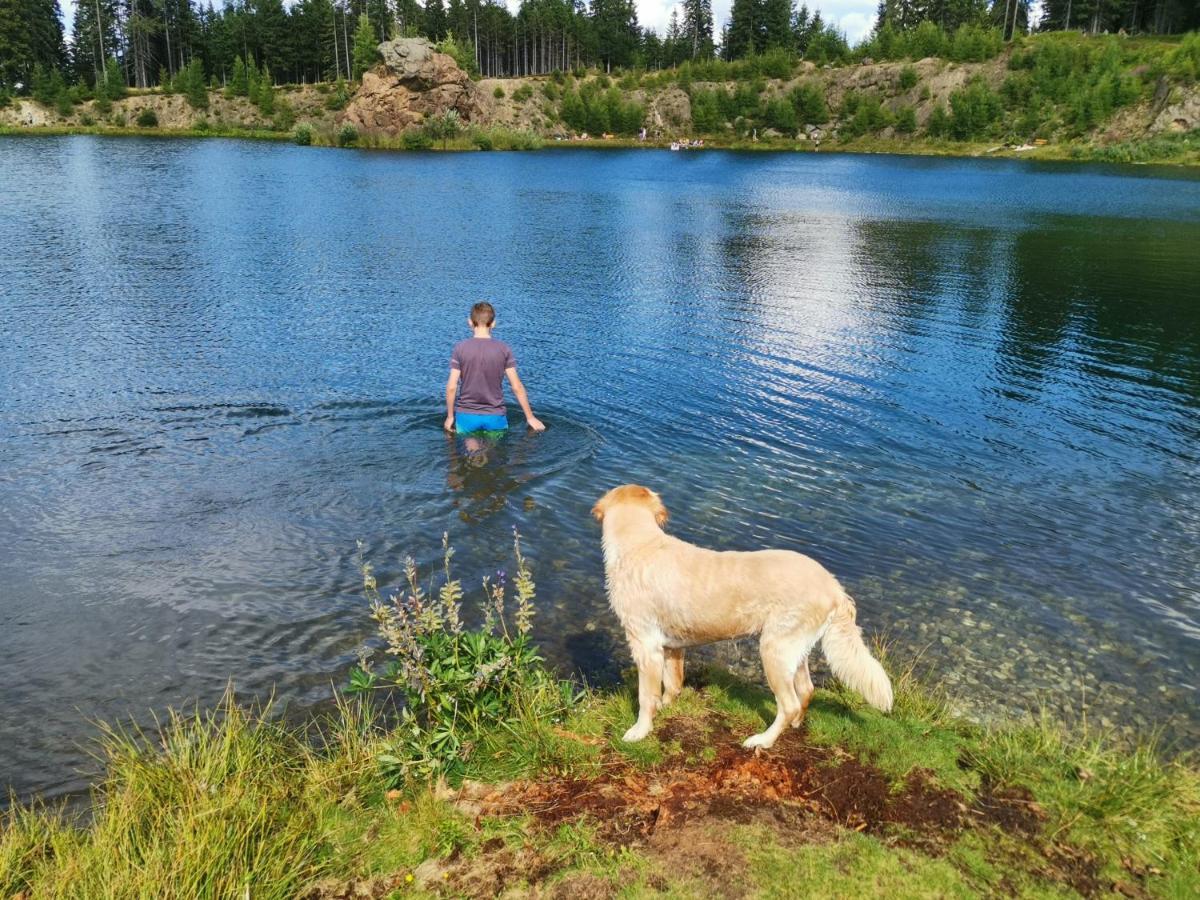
[971, 388]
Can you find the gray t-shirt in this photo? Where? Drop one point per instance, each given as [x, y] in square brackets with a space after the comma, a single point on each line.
[482, 362]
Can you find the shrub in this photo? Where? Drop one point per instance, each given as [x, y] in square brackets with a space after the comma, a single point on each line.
[776, 63]
[809, 100]
[906, 120]
[201, 125]
[591, 109]
[456, 682]
[706, 112]
[975, 110]
[347, 135]
[443, 127]
[86, 120]
[339, 96]
[302, 134]
[551, 91]
[908, 78]
[869, 116]
[975, 43]
[520, 140]
[523, 93]
[62, 103]
[5, 97]
[463, 53]
[780, 114]
[938, 124]
[482, 140]
[1184, 61]
[147, 118]
[498, 93]
[285, 117]
[416, 139]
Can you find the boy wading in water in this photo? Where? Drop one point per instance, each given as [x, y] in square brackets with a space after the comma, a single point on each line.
[478, 366]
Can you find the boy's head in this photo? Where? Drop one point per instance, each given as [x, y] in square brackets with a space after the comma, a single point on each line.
[483, 315]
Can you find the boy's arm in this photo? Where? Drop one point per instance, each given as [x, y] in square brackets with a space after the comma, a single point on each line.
[451, 391]
[518, 390]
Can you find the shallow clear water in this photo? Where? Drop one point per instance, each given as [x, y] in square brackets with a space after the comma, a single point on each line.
[971, 388]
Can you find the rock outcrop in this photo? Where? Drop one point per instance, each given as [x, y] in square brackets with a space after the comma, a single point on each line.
[413, 82]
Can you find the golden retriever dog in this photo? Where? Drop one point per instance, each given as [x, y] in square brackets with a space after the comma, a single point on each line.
[670, 595]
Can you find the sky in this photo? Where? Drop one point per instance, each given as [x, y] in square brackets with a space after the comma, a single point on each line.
[854, 17]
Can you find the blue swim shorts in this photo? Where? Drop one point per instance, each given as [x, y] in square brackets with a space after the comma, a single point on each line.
[466, 423]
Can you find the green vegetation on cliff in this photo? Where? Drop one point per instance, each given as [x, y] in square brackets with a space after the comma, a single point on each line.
[498, 778]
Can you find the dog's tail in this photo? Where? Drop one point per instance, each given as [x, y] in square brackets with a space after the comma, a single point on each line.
[850, 659]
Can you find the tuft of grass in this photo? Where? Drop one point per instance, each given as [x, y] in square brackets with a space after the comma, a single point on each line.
[215, 805]
[1129, 808]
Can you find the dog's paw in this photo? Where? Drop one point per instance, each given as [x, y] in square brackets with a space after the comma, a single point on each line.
[759, 742]
[636, 733]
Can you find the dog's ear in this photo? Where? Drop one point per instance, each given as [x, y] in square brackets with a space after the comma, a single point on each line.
[598, 510]
[660, 510]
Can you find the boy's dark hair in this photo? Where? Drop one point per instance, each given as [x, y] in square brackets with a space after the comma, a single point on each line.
[483, 313]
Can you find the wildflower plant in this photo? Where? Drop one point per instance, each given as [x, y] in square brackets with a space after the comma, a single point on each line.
[457, 682]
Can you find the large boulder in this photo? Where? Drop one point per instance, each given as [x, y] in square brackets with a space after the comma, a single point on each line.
[413, 82]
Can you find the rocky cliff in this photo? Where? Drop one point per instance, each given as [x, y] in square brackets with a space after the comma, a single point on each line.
[412, 82]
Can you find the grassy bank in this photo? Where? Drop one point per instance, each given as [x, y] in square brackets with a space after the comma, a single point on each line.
[500, 780]
[1179, 149]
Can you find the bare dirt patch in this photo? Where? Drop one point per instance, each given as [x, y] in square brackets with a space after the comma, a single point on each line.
[794, 781]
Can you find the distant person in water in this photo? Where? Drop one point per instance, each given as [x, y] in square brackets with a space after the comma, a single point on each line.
[475, 389]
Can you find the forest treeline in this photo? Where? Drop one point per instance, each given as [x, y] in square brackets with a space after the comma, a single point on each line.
[315, 40]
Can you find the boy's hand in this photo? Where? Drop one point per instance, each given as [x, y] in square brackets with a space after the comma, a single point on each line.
[449, 423]
[535, 423]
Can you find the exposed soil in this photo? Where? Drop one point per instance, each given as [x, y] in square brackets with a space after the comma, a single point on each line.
[795, 780]
[679, 813]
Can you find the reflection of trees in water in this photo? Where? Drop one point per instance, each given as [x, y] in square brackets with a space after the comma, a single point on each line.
[1126, 290]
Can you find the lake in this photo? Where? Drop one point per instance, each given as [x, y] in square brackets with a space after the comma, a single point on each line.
[969, 387]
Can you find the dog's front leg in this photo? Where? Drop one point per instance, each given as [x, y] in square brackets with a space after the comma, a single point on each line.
[650, 660]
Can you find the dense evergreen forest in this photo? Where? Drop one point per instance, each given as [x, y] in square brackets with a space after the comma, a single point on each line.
[142, 43]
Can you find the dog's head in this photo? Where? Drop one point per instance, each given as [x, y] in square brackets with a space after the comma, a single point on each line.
[632, 495]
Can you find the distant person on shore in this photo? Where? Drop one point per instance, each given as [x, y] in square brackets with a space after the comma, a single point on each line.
[475, 389]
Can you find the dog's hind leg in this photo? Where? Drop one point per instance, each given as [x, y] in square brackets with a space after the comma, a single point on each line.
[650, 660]
[804, 690]
[781, 657]
[672, 674]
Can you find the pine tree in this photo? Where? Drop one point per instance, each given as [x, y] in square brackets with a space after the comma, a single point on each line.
[744, 29]
[266, 92]
[435, 20]
[776, 25]
[30, 35]
[366, 46]
[196, 90]
[239, 82]
[698, 27]
[114, 80]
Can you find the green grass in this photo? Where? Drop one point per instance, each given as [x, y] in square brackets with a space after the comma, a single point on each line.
[853, 866]
[220, 803]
